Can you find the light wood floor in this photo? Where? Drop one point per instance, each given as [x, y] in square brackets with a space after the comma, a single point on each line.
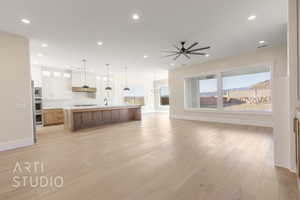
[156, 159]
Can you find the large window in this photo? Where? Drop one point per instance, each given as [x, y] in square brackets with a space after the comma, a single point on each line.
[164, 96]
[246, 89]
[208, 91]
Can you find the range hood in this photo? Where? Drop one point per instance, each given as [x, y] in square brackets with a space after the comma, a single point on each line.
[82, 89]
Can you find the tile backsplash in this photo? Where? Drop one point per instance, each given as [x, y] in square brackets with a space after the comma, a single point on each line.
[77, 98]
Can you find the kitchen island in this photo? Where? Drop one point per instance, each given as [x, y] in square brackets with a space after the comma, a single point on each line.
[77, 118]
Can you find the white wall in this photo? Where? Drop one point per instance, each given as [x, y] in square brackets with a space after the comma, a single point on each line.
[276, 55]
[15, 84]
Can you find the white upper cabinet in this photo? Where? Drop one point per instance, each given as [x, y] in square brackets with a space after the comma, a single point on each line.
[56, 84]
[36, 76]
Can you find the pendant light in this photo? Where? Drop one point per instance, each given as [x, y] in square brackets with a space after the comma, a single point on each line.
[126, 88]
[85, 85]
[107, 81]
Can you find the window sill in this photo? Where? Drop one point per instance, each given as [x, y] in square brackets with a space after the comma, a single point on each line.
[207, 110]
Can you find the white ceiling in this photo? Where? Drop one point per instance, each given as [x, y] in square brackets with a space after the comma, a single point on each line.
[72, 29]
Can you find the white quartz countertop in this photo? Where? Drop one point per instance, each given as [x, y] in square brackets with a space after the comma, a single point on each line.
[99, 107]
[52, 108]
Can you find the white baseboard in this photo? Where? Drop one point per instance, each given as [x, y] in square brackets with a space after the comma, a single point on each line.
[16, 144]
[284, 167]
[224, 120]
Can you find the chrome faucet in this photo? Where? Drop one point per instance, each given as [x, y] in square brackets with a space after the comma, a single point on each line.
[105, 101]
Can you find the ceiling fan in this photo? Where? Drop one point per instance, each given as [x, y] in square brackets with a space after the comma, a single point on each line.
[186, 51]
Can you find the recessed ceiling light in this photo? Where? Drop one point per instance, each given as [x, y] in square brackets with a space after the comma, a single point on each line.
[44, 45]
[99, 43]
[26, 21]
[172, 64]
[40, 55]
[252, 17]
[262, 42]
[145, 56]
[135, 17]
[207, 55]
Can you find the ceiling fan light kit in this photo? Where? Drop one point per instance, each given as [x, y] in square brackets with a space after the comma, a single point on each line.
[187, 52]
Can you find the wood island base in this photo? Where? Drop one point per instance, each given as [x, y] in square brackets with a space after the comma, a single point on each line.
[80, 118]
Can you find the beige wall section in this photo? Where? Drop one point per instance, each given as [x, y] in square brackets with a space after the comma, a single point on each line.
[15, 84]
[293, 72]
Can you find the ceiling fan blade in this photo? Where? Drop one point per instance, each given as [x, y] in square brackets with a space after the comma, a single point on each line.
[177, 56]
[190, 47]
[200, 49]
[170, 51]
[194, 53]
[186, 56]
[171, 55]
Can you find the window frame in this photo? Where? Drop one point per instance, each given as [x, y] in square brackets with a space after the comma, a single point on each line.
[220, 108]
